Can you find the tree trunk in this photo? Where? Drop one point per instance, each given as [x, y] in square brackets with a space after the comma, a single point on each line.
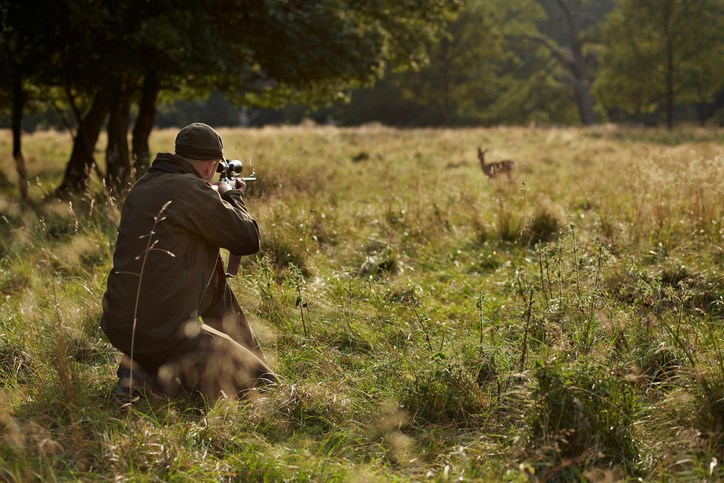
[19, 98]
[583, 96]
[669, 65]
[118, 164]
[144, 123]
[75, 179]
[576, 64]
[669, 87]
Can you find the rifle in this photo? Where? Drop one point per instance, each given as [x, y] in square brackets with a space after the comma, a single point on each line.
[229, 170]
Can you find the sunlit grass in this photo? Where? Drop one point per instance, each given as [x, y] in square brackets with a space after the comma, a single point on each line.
[426, 322]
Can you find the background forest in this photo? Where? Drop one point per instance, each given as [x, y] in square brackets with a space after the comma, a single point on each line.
[547, 62]
[542, 62]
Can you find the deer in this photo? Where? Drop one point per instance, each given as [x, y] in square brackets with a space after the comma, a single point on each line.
[492, 170]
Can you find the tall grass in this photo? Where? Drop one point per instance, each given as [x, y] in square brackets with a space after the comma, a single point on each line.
[426, 322]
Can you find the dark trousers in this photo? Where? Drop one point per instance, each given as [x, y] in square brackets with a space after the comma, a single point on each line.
[221, 359]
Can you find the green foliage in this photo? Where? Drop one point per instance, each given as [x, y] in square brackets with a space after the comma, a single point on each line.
[544, 227]
[658, 52]
[582, 410]
[501, 62]
[418, 62]
[442, 390]
[309, 50]
[258, 54]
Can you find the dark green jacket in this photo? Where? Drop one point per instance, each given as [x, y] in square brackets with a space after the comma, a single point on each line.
[185, 244]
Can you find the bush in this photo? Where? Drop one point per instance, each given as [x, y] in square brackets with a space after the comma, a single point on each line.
[544, 227]
[581, 411]
[442, 391]
[709, 397]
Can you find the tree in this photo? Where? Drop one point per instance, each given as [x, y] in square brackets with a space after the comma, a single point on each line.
[259, 53]
[511, 62]
[535, 88]
[475, 76]
[567, 31]
[113, 50]
[660, 53]
[462, 78]
[21, 56]
[84, 71]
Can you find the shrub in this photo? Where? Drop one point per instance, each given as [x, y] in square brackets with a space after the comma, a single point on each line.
[698, 290]
[582, 411]
[659, 362]
[480, 228]
[15, 362]
[272, 298]
[443, 390]
[283, 252]
[544, 227]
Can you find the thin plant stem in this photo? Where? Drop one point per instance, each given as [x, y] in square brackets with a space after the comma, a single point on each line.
[424, 329]
[150, 246]
[524, 345]
[542, 278]
[481, 297]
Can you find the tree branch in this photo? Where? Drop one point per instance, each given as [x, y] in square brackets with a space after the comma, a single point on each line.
[556, 51]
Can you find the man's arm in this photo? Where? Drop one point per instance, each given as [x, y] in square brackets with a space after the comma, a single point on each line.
[222, 220]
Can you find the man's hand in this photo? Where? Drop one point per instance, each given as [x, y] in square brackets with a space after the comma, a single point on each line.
[222, 186]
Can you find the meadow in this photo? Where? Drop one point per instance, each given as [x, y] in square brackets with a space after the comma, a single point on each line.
[563, 324]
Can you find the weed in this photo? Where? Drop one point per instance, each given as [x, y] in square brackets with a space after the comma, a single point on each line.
[297, 281]
[545, 226]
[507, 223]
[15, 363]
[442, 390]
[584, 411]
[272, 295]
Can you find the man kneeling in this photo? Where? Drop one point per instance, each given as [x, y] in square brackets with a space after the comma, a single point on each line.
[167, 272]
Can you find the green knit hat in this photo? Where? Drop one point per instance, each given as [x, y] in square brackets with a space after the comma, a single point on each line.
[199, 141]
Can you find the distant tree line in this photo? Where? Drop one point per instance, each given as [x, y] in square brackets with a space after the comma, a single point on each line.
[537, 61]
[561, 62]
[89, 65]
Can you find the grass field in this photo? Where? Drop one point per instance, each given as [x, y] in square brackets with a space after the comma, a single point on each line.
[427, 323]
